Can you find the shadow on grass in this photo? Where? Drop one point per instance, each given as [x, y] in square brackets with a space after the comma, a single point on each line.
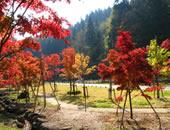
[101, 104]
[6, 122]
[165, 100]
[77, 99]
[4, 118]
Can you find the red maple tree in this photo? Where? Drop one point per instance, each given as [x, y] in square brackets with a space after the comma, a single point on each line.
[68, 72]
[106, 72]
[22, 17]
[128, 67]
[52, 62]
[166, 44]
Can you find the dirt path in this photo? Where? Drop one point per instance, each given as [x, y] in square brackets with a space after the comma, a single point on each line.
[73, 117]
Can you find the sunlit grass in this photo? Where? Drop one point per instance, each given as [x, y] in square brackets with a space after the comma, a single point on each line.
[98, 97]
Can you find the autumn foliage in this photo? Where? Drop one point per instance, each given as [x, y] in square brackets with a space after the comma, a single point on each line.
[68, 61]
[26, 18]
[104, 71]
[127, 65]
[52, 63]
[158, 58]
[75, 66]
[166, 44]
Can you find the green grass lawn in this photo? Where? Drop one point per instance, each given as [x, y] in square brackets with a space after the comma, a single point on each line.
[98, 97]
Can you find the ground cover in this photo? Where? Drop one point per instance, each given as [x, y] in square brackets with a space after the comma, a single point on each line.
[93, 120]
[7, 123]
[98, 97]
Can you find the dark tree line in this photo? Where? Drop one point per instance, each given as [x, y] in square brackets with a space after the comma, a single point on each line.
[50, 46]
[146, 19]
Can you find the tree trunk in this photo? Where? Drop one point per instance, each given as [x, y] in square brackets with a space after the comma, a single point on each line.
[27, 90]
[32, 89]
[74, 91]
[130, 103]
[36, 96]
[110, 90]
[44, 94]
[70, 87]
[117, 110]
[162, 93]
[84, 93]
[153, 84]
[114, 93]
[55, 85]
[53, 91]
[157, 84]
[84, 88]
[122, 124]
[87, 91]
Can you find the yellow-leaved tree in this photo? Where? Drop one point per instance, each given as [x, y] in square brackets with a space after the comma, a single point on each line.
[82, 69]
[158, 58]
[76, 66]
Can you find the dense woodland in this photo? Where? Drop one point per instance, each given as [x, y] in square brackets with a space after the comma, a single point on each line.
[94, 35]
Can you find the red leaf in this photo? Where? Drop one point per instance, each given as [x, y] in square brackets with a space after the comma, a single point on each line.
[119, 99]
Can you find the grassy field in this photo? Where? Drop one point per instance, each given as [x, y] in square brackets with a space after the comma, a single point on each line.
[98, 97]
